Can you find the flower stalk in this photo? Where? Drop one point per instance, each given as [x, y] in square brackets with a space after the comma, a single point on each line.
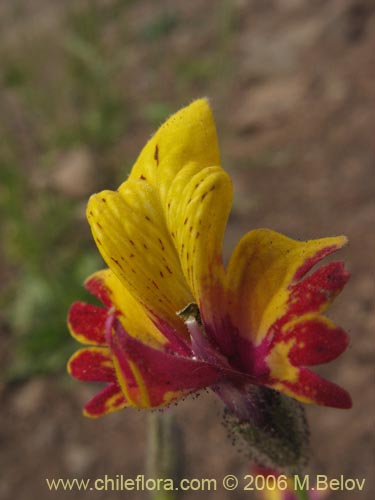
[165, 452]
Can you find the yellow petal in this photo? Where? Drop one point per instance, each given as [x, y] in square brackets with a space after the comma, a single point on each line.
[133, 240]
[182, 162]
[165, 223]
[189, 136]
[133, 315]
[198, 206]
[262, 267]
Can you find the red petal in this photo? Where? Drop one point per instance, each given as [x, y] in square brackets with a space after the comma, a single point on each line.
[106, 401]
[93, 364]
[317, 341]
[316, 292]
[150, 377]
[96, 286]
[317, 390]
[86, 323]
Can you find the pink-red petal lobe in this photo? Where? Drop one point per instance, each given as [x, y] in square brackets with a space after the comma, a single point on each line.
[86, 323]
[317, 341]
[92, 364]
[315, 292]
[150, 377]
[311, 388]
[106, 401]
[97, 287]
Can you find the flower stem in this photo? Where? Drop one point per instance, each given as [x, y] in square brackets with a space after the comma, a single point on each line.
[165, 454]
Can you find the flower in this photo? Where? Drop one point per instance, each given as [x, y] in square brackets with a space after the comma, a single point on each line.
[175, 319]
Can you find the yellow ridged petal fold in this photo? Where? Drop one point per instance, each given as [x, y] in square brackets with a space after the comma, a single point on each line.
[133, 239]
[198, 208]
[161, 232]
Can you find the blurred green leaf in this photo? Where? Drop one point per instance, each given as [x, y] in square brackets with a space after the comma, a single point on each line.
[14, 74]
[163, 24]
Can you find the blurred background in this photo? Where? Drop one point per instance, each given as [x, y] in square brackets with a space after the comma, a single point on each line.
[83, 84]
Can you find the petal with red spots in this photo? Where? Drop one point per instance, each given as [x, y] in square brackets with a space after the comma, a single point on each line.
[317, 291]
[92, 364]
[261, 275]
[317, 341]
[86, 323]
[134, 316]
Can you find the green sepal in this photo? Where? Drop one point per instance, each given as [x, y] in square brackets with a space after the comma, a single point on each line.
[274, 433]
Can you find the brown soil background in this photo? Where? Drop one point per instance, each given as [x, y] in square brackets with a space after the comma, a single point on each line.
[295, 121]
